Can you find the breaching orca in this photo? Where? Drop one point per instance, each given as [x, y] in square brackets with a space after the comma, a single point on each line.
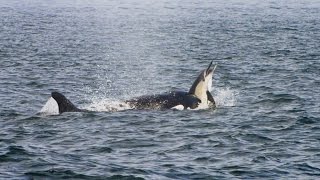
[198, 97]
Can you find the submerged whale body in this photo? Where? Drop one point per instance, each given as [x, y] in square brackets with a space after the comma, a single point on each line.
[198, 97]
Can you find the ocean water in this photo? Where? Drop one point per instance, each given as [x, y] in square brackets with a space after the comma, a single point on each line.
[99, 53]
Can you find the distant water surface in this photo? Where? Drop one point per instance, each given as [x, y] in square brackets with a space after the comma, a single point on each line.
[98, 53]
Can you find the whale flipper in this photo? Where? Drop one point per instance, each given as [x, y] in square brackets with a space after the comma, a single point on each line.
[64, 104]
[211, 101]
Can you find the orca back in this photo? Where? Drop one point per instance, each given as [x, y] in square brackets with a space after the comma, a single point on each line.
[165, 101]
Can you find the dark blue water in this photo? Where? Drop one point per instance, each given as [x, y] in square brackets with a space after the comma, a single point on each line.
[267, 84]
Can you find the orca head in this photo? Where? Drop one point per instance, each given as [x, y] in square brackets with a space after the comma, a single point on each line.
[203, 85]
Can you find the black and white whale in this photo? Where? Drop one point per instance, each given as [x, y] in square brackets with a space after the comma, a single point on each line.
[198, 97]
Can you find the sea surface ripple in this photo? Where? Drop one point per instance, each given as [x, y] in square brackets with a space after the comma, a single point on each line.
[267, 84]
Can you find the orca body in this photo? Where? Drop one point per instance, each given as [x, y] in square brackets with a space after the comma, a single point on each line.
[165, 101]
[198, 97]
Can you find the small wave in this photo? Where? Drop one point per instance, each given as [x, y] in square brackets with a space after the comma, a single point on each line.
[117, 177]
[308, 169]
[15, 154]
[101, 149]
[307, 120]
[278, 98]
[256, 138]
[225, 97]
[61, 173]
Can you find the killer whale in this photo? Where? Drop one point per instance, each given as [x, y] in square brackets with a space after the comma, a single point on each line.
[198, 97]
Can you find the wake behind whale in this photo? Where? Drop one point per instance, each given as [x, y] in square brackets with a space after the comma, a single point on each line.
[198, 97]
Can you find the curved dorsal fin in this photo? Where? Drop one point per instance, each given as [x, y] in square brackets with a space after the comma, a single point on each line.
[64, 104]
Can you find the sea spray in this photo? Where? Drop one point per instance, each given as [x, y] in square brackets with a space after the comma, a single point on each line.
[108, 105]
[225, 97]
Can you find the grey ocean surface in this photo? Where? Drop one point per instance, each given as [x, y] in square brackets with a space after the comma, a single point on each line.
[99, 53]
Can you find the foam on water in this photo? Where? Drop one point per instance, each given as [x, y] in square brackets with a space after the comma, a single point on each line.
[50, 108]
[108, 105]
[225, 97]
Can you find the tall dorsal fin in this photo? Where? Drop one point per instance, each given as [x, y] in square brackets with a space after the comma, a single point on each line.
[64, 104]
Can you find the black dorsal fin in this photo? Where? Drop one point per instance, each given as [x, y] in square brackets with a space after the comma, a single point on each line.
[64, 104]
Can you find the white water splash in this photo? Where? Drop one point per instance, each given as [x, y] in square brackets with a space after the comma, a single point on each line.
[107, 105]
[50, 108]
[225, 97]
